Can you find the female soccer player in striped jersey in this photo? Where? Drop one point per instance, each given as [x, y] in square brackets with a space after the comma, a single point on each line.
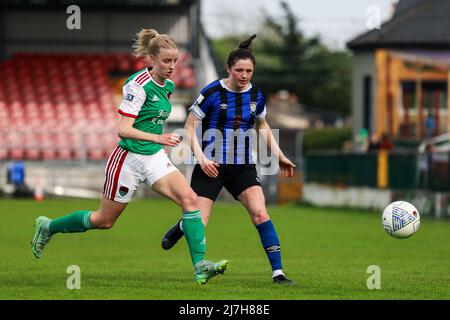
[227, 109]
[140, 157]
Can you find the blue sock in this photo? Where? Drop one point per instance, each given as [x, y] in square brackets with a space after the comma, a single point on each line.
[271, 244]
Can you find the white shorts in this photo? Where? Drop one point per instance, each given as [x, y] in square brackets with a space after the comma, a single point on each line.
[125, 170]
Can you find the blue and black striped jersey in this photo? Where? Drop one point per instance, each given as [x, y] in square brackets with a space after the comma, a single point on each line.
[227, 119]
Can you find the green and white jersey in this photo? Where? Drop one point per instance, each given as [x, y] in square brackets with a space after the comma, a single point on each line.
[149, 103]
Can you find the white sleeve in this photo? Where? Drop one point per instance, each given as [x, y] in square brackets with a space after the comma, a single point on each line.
[133, 98]
[262, 115]
[195, 108]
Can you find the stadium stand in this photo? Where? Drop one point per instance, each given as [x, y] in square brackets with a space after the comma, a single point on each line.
[60, 87]
[61, 106]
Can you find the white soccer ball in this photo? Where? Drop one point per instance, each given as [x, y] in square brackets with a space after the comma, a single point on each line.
[401, 219]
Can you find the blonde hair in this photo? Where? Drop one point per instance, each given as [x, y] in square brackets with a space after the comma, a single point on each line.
[149, 42]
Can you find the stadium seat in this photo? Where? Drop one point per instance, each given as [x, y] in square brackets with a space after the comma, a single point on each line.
[33, 154]
[3, 153]
[17, 153]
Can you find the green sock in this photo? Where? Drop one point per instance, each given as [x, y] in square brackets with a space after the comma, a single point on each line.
[194, 232]
[79, 221]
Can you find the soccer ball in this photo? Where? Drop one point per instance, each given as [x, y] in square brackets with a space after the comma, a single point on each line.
[401, 219]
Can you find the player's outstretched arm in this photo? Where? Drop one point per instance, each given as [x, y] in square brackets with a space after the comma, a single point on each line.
[208, 166]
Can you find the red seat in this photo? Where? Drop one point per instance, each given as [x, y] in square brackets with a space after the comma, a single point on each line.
[48, 153]
[95, 154]
[3, 153]
[17, 153]
[33, 154]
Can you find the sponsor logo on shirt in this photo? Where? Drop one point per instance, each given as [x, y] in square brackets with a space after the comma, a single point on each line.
[129, 97]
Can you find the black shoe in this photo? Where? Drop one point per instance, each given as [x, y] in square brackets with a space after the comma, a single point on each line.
[172, 236]
[281, 279]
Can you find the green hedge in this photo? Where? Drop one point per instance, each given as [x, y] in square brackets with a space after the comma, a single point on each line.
[326, 139]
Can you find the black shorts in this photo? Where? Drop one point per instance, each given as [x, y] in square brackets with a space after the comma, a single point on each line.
[234, 177]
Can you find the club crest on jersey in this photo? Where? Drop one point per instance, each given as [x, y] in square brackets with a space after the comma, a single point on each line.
[129, 97]
[123, 191]
[253, 107]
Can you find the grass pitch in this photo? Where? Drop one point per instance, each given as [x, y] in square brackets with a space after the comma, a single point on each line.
[326, 251]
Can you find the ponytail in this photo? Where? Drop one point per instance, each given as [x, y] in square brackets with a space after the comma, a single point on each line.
[243, 52]
[149, 41]
[247, 43]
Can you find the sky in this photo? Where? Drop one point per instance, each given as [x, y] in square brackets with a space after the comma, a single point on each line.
[335, 21]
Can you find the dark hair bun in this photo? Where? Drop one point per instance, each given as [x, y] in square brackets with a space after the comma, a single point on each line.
[246, 44]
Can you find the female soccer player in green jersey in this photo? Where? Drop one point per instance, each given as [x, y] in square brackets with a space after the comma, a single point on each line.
[140, 157]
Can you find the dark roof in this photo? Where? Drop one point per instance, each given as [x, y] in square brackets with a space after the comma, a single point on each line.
[415, 24]
[405, 5]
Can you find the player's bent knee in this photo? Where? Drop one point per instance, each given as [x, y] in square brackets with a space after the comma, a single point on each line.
[259, 216]
[189, 200]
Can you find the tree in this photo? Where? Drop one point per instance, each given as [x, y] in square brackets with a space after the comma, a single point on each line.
[287, 60]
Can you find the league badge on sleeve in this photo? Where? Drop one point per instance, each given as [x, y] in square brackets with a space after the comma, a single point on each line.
[129, 92]
[129, 97]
